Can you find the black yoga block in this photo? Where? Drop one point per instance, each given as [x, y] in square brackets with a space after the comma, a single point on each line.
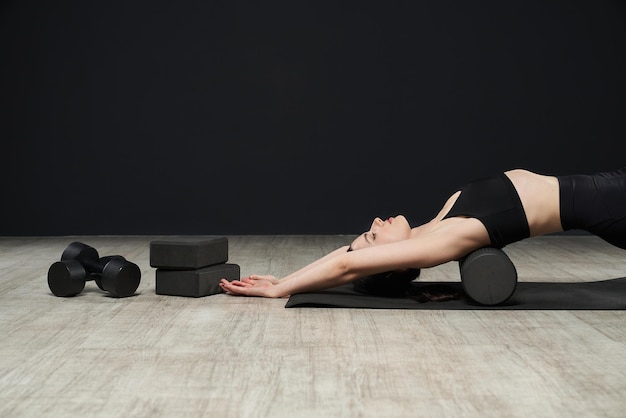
[188, 254]
[195, 283]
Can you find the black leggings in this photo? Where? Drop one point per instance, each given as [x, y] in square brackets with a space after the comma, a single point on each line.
[595, 203]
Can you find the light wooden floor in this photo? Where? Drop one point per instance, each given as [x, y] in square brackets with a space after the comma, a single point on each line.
[224, 356]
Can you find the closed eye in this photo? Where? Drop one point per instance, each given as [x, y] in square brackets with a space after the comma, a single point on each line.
[368, 240]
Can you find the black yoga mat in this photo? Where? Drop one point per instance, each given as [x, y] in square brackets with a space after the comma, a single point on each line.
[601, 295]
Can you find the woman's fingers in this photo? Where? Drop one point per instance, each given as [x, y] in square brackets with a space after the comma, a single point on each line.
[254, 288]
[235, 287]
[235, 283]
[256, 277]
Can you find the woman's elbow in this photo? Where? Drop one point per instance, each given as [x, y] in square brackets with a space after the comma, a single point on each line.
[344, 269]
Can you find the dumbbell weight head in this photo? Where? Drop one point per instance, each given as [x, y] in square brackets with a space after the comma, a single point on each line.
[96, 276]
[119, 277]
[66, 278]
[80, 252]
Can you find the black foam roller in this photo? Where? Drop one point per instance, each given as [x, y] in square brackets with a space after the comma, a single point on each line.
[195, 283]
[188, 254]
[488, 276]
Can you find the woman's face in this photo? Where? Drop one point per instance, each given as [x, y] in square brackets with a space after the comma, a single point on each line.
[383, 232]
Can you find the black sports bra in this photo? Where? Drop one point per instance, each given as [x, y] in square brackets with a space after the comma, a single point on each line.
[496, 204]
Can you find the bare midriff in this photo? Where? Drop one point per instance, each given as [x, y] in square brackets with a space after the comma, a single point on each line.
[540, 198]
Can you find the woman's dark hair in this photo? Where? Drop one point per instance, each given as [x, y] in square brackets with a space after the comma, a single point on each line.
[397, 284]
[433, 292]
[392, 284]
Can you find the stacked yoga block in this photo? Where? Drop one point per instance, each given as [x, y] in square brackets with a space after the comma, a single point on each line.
[191, 268]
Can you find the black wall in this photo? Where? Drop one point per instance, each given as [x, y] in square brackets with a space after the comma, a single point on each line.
[293, 117]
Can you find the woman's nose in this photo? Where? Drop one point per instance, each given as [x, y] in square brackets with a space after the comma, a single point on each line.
[377, 224]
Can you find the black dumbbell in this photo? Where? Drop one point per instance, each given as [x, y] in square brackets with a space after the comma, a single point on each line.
[80, 263]
[488, 276]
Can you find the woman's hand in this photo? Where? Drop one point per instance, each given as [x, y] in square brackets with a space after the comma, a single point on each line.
[254, 285]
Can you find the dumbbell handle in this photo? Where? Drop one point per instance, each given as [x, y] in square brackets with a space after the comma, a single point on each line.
[98, 267]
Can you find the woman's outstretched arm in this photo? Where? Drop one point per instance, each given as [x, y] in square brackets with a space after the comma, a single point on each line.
[260, 285]
[450, 242]
[315, 263]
